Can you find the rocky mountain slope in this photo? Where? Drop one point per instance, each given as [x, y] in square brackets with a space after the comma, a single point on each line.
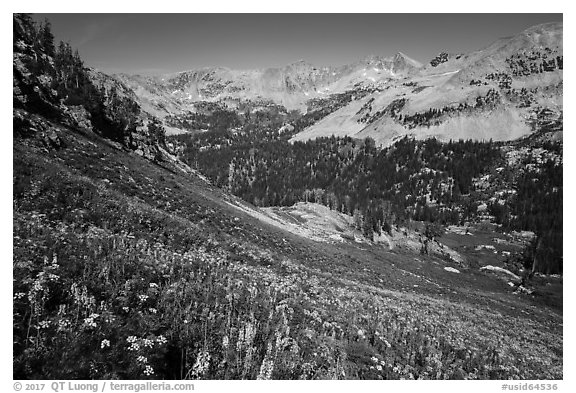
[53, 83]
[492, 93]
[290, 86]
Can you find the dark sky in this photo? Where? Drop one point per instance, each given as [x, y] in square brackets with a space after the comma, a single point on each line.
[163, 43]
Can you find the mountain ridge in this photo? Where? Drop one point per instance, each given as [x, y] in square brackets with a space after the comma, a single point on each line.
[446, 81]
[291, 85]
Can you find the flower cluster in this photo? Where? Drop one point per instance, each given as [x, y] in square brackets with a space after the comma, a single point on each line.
[133, 341]
[90, 322]
[161, 340]
[148, 370]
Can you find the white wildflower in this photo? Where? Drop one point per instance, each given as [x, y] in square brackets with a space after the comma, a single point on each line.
[43, 324]
[89, 322]
[148, 370]
[19, 295]
[161, 339]
[202, 363]
[105, 343]
[63, 324]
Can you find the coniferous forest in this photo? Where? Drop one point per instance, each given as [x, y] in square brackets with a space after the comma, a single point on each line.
[427, 180]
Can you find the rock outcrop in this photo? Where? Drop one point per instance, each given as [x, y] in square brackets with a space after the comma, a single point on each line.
[54, 84]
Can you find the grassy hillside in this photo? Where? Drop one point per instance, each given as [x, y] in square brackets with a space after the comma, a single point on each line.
[128, 269]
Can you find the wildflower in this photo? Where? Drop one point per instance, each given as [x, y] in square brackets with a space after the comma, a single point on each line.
[44, 324]
[185, 321]
[153, 285]
[132, 339]
[142, 359]
[142, 298]
[161, 339]
[148, 370]
[379, 367]
[89, 322]
[374, 359]
[63, 324]
[134, 347]
[202, 363]
[148, 343]
[126, 309]
[105, 343]
[153, 310]
[19, 295]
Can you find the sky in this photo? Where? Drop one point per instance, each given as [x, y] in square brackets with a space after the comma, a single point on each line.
[166, 43]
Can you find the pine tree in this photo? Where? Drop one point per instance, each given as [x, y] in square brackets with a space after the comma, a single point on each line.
[47, 38]
[431, 232]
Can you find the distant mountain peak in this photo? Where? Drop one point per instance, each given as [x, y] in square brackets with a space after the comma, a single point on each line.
[400, 57]
[396, 63]
[300, 64]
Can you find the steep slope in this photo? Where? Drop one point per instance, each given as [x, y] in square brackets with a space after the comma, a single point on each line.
[55, 84]
[117, 259]
[492, 93]
[130, 266]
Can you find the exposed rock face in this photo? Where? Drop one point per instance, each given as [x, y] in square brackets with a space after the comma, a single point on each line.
[147, 139]
[95, 103]
[286, 128]
[493, 93]
[27, 125]
[76, 116]
[31, 84]
[290, 86]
